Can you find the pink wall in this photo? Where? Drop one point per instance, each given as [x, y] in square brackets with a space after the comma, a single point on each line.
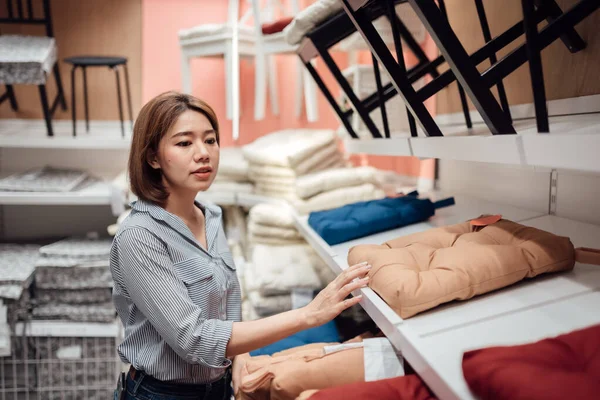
[161, 71]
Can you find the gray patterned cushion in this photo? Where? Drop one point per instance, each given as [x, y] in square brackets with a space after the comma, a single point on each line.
[26, 59]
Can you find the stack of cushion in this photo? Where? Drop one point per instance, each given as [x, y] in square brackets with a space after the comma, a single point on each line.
[280, 261]
[232, 175]
[417, 272]
[273, 224]
[280, 164]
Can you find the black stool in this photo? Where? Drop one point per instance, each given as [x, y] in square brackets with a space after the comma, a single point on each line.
[98, 61]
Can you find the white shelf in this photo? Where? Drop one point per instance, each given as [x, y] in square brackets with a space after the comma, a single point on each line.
[434, 341]
[31, 134]
[37, 328]
[98, 193]
[572, 143]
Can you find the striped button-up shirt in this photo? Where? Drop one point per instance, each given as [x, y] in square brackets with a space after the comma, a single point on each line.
[177, 301]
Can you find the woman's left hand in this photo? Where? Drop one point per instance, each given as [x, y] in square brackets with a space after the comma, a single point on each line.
[239, 363]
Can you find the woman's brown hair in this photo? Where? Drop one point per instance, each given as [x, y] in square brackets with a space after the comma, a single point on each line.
[154, 121]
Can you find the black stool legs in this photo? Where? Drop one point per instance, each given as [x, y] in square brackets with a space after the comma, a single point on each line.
[119, 100]
[85, 97]
[128, 94]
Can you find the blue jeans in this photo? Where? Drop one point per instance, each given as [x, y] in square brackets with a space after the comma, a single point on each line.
[144, 387]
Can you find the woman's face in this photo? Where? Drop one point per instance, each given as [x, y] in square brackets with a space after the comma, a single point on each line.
[188, 154]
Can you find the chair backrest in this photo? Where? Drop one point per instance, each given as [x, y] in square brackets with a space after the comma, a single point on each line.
[21, 12]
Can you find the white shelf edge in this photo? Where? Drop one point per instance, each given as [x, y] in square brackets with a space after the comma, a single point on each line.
[380, 147]
[571, 144]
[31, 134]
[57, 328]
[100, 193]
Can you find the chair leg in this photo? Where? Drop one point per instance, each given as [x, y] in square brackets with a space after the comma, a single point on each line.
[128, 94]
[570, 38]
[535, 66]
[393, 18]
[272, 71]
[73, 103]
[46, 109]
[487, 36]
[345, 86]
[59, 87]
[186, 74]
[12, 98]
[119, 100]
[315, 75]
[260, 86]
[310, 98]
[384, 118]
[462, 66]
[236, 110]
[399, 80]
[299, 90]
[461, 90]
[85, 100]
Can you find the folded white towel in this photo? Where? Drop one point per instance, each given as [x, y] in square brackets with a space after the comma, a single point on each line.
[272, 215]
[260, 230]
[328, 157]
[287, 148]
[279, 269]
[232, 164]
[270, 305]
[330, 179]
[273, 241]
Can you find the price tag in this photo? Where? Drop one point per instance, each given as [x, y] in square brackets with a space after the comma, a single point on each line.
[301, 297]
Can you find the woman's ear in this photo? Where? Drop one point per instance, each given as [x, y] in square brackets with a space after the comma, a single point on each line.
[152, 160]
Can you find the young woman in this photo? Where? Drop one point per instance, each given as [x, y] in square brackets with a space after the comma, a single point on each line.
[175, 287]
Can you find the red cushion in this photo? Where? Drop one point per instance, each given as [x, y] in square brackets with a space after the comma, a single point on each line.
[277, 26]
[565, 367]
[409, 387]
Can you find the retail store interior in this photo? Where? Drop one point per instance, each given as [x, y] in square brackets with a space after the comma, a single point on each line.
[451, 145]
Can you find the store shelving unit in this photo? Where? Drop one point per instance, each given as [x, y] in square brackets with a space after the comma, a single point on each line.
[572, 144]
[42, 328]
[434, 341]
[98, 193]
[31, 134]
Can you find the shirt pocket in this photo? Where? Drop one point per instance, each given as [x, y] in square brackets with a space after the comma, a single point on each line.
[227, 259]
[198, 275]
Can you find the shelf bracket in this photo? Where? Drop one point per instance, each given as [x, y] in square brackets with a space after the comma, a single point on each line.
[553, 192]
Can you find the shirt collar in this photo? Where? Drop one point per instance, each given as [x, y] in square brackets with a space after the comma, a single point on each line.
[212, 217]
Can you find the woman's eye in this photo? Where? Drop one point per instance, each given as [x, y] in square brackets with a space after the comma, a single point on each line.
[211, 141]
[183, 144]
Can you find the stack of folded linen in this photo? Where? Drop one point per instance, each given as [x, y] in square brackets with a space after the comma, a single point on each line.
[73, 281]
[17, 266]
[275, 160]
[280, 261]
[306, 168]
[232, 175]
[273, 224]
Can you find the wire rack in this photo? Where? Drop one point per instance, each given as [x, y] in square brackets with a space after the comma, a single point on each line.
[60, 368]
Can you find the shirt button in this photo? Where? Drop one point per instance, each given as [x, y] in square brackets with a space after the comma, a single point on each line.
[194, 359]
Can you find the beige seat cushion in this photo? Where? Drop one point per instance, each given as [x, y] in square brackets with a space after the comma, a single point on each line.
[417, 272]
[286, 374]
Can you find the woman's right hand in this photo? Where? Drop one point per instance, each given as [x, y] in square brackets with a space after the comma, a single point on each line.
[331, 301]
